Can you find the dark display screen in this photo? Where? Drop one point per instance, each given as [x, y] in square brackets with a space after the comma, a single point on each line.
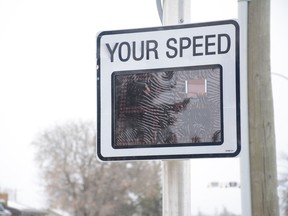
[163, 107]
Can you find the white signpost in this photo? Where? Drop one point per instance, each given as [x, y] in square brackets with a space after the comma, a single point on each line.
[169, 92]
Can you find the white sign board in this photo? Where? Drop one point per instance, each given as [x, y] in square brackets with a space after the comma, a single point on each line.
[169, 92]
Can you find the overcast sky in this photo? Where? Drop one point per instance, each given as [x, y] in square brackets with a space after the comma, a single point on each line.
[48, 70]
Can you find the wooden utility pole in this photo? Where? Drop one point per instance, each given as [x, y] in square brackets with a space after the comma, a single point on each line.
[176, 174]
[261, 119]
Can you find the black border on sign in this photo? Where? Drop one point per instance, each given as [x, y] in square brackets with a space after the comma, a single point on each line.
[160, 70]
[171, 156]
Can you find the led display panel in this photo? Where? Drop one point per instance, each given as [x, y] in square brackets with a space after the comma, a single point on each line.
[181, 106]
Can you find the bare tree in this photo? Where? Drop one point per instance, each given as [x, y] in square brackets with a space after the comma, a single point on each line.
[283, 184]
[78, 183]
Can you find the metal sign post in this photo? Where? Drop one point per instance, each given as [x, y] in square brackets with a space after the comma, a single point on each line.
[244, 157]
[176, 173]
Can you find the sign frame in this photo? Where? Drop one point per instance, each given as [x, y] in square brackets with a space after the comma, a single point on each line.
[105, 150]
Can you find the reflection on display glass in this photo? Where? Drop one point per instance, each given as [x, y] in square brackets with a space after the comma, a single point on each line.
[167, 107]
